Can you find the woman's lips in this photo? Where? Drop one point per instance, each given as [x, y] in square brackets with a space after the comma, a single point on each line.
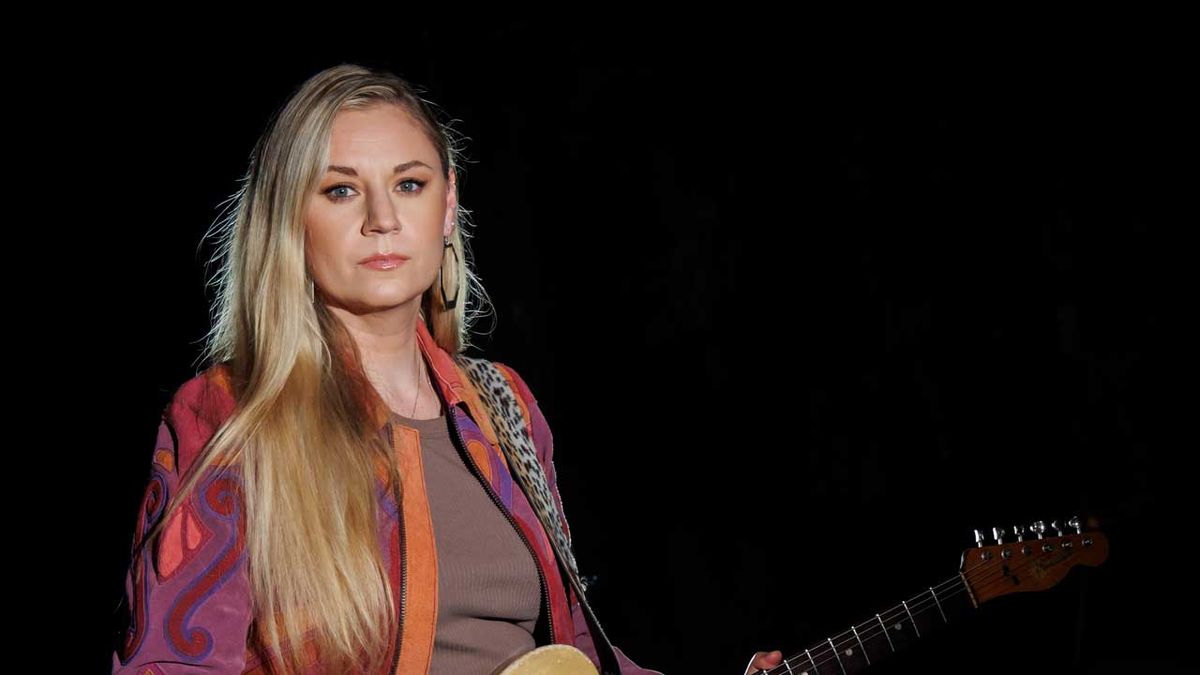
[384, 262]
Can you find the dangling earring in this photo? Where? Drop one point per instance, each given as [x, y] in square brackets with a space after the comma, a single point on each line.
[450, 303]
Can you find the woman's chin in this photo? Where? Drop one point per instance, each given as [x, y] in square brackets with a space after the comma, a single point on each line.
[378, 303]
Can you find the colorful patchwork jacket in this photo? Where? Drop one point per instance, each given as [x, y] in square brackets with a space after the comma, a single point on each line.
[189, 596]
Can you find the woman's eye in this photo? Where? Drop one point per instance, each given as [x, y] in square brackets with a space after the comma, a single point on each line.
[336, 196]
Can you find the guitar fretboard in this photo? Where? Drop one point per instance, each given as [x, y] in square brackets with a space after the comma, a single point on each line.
[882, 635]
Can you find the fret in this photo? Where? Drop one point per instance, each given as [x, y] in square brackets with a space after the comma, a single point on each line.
[833, 648]
[875, 642]
[861, 645]
[956, 601]
[823, 659]
[900, 633]
[926, 615]
[911, 620]
[850, 651]
[885, 632]
[939, 605]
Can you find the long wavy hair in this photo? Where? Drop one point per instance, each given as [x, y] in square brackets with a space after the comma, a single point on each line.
[313, 556]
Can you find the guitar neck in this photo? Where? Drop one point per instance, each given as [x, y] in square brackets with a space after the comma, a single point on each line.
[984, 573]
[884, 634]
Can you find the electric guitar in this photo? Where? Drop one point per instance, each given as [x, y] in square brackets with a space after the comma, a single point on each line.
[1033, 563]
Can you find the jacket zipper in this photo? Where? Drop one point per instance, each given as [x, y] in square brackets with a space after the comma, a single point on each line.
[403, 558]
[470, 461]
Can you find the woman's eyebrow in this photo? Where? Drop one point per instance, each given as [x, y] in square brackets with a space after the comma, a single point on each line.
[403, 166]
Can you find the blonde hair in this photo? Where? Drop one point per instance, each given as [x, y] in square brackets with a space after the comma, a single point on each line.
[312, 549]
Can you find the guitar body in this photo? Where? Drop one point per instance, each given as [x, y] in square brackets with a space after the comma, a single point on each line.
[551, 660]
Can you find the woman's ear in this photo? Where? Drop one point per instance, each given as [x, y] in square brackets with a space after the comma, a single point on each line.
[451, 204]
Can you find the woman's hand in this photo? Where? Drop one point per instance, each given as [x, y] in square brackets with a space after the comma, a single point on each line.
[764, 660]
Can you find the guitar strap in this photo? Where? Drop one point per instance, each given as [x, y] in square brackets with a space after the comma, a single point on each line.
[516, 441]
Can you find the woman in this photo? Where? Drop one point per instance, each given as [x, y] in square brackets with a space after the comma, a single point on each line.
[329, 495]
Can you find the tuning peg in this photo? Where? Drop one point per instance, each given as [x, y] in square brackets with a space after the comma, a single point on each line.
[1038, 527]
[998, 534]
[1074, 522]
[1057, 528]
[979, 538]
[1019, 530]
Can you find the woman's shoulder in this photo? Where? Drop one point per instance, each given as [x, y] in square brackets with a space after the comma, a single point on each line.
[207, 393]
[197, 409]
[518, 382]
[532, 409]
[481, 371]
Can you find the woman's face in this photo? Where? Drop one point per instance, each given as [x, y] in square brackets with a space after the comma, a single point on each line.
[383, 192]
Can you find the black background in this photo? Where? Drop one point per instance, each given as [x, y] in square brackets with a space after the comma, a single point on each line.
[803, 309]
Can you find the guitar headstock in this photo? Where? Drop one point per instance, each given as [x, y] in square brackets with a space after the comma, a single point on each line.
[1031, 561]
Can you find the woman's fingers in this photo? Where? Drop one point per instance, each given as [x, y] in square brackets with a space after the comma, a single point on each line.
[764, 660]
